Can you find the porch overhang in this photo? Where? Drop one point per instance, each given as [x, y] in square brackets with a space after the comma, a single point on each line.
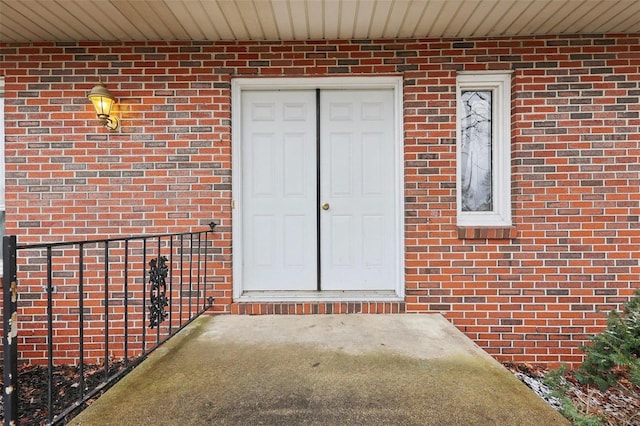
[236, 20]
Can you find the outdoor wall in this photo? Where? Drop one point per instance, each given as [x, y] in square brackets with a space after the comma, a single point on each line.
[530, 294]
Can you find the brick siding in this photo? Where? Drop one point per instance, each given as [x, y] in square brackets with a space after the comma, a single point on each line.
[530, 293]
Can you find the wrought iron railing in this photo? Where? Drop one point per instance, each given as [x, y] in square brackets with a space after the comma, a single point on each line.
[97, 305]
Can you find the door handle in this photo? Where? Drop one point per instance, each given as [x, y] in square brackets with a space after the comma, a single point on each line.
[325, 206]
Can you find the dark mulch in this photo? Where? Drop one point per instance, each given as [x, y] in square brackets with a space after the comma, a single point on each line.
[33, 390]
[618, 405]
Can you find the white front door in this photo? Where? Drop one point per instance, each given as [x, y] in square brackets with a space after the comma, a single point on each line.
[319, 198]
[357, 188]
[279, 214]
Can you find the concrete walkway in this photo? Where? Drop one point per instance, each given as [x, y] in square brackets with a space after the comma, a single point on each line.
[320, 370]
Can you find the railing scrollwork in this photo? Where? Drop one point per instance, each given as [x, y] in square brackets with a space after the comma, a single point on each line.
[158, 293]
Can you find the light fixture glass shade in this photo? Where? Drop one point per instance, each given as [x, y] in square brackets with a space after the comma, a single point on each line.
[103, 101]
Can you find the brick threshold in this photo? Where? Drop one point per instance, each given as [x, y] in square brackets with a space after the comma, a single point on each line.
[315, 302]
[314, 308]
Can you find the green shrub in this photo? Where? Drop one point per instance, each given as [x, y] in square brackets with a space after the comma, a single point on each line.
[616, 350]
[579, 415]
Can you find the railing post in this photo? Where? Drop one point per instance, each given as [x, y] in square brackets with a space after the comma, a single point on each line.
[10, 311]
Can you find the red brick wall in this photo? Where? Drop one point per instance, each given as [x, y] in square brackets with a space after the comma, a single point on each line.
[575, 167]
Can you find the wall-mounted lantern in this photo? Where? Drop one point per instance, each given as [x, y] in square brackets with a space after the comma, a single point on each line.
[103, 102]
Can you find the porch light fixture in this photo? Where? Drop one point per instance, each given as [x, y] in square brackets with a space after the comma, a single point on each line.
[103, 101]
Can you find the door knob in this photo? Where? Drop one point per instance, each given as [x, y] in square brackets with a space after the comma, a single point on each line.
[325, 206]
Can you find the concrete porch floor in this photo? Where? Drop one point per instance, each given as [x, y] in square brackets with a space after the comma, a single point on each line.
[320, 370]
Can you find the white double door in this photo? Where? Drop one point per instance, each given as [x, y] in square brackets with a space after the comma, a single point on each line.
[318, 205]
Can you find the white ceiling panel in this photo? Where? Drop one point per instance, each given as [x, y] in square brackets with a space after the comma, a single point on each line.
[315, 18]
[449, 12]
[145, 24]
[381, 12]
[218, 20]
[31, 20]
[519, 18]
[83, 16]
[347, 19]
[264, 13]
[484, 18]
[57, 16]
[114, 20]
[627, 21]
[176, 18]
[284, 23]
[576, 18]
[415, 13]
[610, 13]
[300, 19]
[395, 19]
[190, 26]
[531, 22]
[231, 12]
[139, 20]
[252, 21]
[16, 26]
[430, 17]
[468, 11]
[362, 22]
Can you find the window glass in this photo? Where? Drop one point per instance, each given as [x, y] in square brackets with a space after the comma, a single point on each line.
[476, 174]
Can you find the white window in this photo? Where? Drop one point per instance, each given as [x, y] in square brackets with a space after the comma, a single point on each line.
[1, 165]
[483, 152]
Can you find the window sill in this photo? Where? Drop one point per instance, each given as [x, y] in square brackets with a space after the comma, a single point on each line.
[487, 232]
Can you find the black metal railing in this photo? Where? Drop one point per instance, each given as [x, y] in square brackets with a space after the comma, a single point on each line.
[97, 305]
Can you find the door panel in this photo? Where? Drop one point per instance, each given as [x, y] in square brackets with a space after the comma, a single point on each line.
[358, 250]
[279, 213]
[339, 165]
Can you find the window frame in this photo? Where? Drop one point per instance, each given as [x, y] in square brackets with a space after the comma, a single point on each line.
[2, 171]
[499, 83]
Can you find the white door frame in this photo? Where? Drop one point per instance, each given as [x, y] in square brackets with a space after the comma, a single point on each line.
[239, 85]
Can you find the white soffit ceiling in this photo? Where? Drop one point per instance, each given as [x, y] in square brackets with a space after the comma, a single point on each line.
[139, 20]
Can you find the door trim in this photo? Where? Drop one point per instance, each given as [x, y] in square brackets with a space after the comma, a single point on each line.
[239, 85]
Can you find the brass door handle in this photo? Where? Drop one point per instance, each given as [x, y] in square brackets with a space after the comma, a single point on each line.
[325, 206]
